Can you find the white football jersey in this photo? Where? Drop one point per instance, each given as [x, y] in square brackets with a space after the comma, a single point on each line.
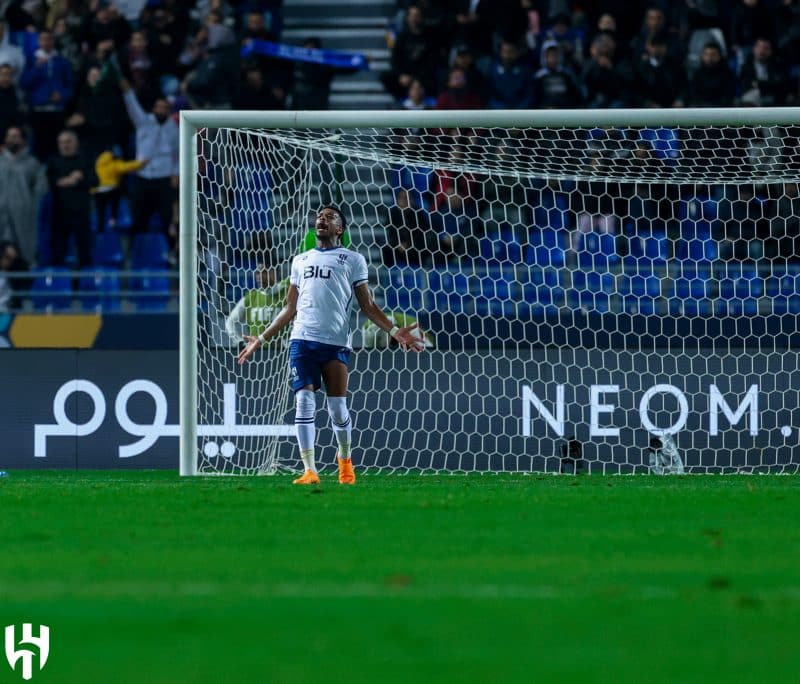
[325, 279]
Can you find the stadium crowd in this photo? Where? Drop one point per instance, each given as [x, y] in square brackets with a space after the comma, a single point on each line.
[519, 54]
[90, 90]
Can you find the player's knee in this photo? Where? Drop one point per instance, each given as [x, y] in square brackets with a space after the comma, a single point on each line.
[305, 406]
[337, 409]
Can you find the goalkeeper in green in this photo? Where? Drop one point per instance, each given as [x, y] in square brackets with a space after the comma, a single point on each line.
[254, 312]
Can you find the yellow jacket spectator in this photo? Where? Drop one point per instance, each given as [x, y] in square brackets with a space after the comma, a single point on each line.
[110, 170]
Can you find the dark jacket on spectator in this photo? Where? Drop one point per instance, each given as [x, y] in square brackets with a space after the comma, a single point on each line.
[510, 86]
[772, 82]
[72, 200]
[415, 54]
[711, 86]
[606, 87]
[555, 88]
[10, 114]
[659, 84]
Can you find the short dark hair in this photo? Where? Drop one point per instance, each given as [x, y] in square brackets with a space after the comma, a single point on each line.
[338, 211]
[713, 45]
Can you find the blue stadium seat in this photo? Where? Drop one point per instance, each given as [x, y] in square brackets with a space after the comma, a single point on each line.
[597, 252]
[693, 287]
[591, 301]
[546, 247]
[647, 250]
[665, 141]
[737, 307]
[691, 307]
[155, 292]
[641, 285]
[636, 304]
[699, 250]
[543, 294]
[107, 250]
[100, 290]
[149, 251]
[51, 290]
[125, 216]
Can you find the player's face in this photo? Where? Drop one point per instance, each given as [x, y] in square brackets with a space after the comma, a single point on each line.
[328, 225]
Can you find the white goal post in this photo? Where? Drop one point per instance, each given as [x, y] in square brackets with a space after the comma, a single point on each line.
[626, 279]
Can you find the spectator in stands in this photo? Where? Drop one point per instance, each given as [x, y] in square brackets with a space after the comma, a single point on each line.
[660, 80]
[752, 19]
[10, 110]
[463, 58]
[156, 183]
[66, 41]
[763, 81]
[417, 99]
[510, 84]
[458, 94]
[21, 192]
[11, 54]
[212, 81]
[311, 81]
[110, 169]
[414, 55]
[166, 35]
[655, 23]
[138, 67]
[409, 241]
[568, 38]
[254, 94]
[71, 176]
[103, 23]
[471, 25]
[11, 262]
[607, 80]
[99, 117]
[712, 84]
[555, 86]
[49, 81]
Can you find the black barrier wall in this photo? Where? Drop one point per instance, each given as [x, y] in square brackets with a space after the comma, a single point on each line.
[457, 411]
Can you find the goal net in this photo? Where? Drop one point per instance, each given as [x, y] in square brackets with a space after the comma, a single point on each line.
[597, 288]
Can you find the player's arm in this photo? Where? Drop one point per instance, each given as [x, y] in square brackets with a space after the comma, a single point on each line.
[280, 321]
[405, 336]
[236, 318]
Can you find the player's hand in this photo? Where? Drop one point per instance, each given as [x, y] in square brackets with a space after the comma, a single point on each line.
[253, 343]
[409, 340]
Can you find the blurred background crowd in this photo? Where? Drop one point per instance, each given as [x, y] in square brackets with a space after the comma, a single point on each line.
[90, 91]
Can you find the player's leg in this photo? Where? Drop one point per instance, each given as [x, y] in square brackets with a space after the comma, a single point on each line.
[335, 375]
[305, 380]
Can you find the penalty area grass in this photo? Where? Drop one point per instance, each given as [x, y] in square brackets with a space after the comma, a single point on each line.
[146, 577]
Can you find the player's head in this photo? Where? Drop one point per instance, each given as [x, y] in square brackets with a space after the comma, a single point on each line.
[330, 223]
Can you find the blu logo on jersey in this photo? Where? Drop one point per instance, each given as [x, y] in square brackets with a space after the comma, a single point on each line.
[316, 272]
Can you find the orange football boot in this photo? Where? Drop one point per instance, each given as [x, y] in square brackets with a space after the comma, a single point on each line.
[308, 478]
[346, 473]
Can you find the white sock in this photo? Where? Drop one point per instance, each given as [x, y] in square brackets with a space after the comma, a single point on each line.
[341, 424]
[305, 408]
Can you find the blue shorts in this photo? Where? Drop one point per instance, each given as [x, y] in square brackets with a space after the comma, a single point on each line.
[306, 360]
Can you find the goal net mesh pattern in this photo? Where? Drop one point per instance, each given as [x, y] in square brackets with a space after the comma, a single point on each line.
[584, 291]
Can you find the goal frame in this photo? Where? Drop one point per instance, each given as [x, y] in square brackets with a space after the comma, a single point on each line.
[193, 121]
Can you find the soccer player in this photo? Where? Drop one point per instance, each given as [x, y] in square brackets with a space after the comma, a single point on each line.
[255, 311]
[321, 288]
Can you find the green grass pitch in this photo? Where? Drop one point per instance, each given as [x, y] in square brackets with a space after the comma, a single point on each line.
[146, 577]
